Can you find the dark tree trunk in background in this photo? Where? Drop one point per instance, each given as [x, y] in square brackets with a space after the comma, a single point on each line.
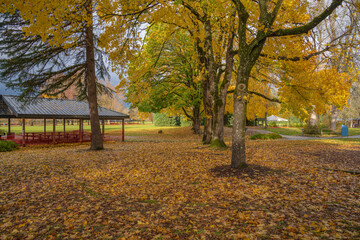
[207, 110]
[196, 120]
[266, 122]
[207, 130]
[220, 102]
[217, 138]
[96, 137]
[210, 84]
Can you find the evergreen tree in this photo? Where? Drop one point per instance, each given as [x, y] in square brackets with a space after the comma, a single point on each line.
[37, 67]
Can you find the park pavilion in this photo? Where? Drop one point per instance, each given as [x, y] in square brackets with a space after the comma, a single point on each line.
[54, 109]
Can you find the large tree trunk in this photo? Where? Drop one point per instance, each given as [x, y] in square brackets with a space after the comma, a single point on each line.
[207, 131]
[206, 57]
[238, 158]
[218, 131]
[247, 60]
[204, 87]
[96, 137]
[207, 109]
[313, 119]
[334, 116]
[209, 86]
[218, 124]
[266, 122]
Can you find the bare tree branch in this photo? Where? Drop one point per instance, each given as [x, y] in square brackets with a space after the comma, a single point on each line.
[307, 27]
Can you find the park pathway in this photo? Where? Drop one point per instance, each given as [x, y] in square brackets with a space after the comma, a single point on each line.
[290, 137]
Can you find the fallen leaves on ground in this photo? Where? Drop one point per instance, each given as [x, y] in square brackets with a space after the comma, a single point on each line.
[180, 190]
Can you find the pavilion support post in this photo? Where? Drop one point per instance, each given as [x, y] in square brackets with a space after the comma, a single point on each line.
[64, 123]
[54, 128]
[9, 126]
[103, 129]
[44, 127]
[23, 132]
[123, 130]
[81, 129]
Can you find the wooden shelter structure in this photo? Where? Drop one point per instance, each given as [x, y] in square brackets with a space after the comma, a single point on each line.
[356, 122]
[50, 108]
[259, 122]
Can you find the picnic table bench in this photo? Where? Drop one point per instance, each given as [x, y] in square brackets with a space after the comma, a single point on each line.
[59, 136]
[315, 131]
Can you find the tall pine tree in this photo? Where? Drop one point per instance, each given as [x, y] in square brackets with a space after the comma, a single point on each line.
[38, 65]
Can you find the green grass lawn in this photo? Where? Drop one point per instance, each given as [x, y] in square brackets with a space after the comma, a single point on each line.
[354, 131]
[286, 131]
[293, 131]
[132, 129]
[148, 128]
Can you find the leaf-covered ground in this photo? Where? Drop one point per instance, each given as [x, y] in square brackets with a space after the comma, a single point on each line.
[173, 187]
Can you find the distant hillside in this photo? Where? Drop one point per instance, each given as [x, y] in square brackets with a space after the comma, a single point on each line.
[116, 102]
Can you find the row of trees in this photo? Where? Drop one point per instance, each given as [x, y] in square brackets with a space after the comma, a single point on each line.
[243, 48]
[186, 55]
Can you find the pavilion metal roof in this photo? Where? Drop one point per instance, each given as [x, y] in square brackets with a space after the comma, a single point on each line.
[11, 107]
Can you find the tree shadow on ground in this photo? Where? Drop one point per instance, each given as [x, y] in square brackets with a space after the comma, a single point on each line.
[341, 158]
[251, 171]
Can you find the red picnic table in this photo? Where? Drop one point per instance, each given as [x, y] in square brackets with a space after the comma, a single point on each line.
[59, 136]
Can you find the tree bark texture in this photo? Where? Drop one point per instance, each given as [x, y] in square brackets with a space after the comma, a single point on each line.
[313, 119]
[266, 122]
[334, 116]
[220, 103]
[196, 120]
[238, 158]
[207, 110]
[96, 137]
[210, 84]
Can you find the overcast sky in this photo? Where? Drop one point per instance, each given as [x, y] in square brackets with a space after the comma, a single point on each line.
[5, 91]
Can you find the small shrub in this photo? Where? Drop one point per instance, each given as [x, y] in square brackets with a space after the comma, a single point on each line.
[272, 124]
[311, 130]
[265, 136]
[326, 131]
[8, 146]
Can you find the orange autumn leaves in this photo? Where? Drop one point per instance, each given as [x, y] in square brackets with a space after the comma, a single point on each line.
[173, 187]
